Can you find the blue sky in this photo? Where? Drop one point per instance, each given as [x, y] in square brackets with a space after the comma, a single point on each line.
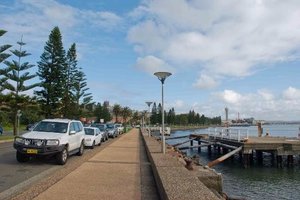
[239, 54]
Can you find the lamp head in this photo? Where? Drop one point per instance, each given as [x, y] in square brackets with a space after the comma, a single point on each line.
[149, 103]
[162, 76]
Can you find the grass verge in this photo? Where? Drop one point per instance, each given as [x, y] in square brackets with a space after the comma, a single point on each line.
[6, 137]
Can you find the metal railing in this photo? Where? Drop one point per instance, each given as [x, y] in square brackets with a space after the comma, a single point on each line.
[229, 133]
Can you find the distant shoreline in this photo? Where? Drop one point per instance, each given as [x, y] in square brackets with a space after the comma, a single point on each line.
[186, 128]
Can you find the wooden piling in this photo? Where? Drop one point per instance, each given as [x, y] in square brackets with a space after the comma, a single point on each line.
[199, 148]
[251, 158]
[272, 158]
[219, 149]
[221, 159]
[279, 161]
[246, 160]
[290, 160]
[209, 149]
[259, 157]
[260, 130]
[225, 150]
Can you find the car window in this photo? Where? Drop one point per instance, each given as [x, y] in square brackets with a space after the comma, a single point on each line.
[110, 126]
[89, 131]
[77, 127]
[72, 127]
[80, 126]
[57, 127]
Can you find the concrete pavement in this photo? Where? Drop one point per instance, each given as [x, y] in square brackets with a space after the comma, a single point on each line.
[120, 171]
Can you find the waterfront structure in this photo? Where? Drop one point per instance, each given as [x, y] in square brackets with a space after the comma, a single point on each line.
[229, 143]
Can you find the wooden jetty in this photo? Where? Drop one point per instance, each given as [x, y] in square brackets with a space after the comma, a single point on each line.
[229, 142]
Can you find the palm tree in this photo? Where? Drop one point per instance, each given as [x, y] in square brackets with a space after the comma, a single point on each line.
[126, 113]
[117, 109]
[135, 117]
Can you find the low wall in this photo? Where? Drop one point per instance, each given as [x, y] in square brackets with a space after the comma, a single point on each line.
[175, 181]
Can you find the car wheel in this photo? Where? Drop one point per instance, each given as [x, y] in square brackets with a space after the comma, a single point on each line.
[99, 143]
[21, 157]
[62, 156]
[93, 145]
[81, 149]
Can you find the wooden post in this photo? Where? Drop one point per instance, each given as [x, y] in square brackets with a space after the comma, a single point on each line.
[251, 158]
[221, 159]
[232, 158]
[192, 142]
[279, 161]
[259, 157]
[225, 150]
[246, 160]
[240, 156]
[219, 149]
[199, 148]
[290, 160]
[272, 158]
[260, 130]
[209, 149]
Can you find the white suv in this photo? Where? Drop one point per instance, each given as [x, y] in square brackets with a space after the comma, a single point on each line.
[58, 137]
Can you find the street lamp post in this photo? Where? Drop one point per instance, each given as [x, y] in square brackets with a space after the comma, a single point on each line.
[149, 104]
[162, 77]
[19, 114]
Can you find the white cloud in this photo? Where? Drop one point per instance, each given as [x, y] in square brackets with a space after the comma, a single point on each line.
[34, 19]
[266, 95]
[261, 105]
[291, 94]
[227, 38]
[230, 96]
[205, 82]
[151, 64]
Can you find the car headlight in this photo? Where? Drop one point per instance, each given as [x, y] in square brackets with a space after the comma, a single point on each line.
[27, 142]
[52, 142]
[39, 143]
[19, 140]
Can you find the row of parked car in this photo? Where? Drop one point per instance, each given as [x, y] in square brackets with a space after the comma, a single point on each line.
[61, 138]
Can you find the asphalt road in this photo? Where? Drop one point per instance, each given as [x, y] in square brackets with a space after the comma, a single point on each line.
[14, 174]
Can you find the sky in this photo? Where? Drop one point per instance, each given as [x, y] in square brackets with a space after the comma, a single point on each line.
[244, 55]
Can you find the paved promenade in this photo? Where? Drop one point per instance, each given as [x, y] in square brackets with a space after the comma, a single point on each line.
[120, 171]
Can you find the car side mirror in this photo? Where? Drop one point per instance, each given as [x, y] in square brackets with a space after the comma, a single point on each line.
[72, 132]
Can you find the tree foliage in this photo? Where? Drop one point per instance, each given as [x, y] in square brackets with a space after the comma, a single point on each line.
[117, 109]
[51, 70]
[18, 76]
[3, 57]
[190, 118]
[126, 113]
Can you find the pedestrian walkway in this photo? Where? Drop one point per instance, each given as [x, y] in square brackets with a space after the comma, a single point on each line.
[120, 171]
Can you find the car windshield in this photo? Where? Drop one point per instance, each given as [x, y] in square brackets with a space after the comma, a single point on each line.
[57, 127]
[89, 131]
[118, 125]
[110, 126]
[100, 126]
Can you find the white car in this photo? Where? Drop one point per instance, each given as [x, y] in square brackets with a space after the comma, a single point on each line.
[57, 137]
[120, 128]
[92, 137]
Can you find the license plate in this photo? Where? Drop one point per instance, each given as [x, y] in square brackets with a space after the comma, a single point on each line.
[32, 151]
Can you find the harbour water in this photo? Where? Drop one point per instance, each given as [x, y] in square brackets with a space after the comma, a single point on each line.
[256, 182]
